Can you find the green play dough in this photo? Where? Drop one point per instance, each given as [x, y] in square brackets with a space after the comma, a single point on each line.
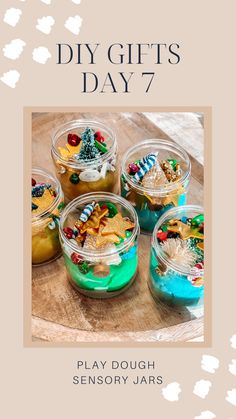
[120, 275]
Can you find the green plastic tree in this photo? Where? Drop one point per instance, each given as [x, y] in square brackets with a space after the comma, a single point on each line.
[88, 149]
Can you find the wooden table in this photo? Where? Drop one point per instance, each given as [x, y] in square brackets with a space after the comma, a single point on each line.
[59, 313]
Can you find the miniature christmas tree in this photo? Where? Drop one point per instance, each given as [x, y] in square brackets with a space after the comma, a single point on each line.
[88, 149]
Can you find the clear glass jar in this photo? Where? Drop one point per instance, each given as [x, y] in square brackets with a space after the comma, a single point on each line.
[177, 268]
[45, 229]
[76, 177]
[100, 273]
[151, 203]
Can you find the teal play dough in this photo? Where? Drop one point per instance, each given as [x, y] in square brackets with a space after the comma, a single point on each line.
[173, 287]
[119, 276]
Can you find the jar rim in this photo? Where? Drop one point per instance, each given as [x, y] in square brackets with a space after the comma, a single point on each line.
[161, 144]
[56, 201]
[164, 258]
[98, 196]
[76, 123]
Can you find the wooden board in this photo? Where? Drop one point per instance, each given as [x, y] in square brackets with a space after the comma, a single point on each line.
[60, 314]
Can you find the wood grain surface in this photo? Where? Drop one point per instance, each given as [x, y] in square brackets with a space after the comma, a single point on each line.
[60, 314]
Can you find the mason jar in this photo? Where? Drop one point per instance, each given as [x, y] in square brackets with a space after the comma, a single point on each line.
[78, 177]
[45, 227]
[177, 257]
[154, 195]
[105, 271]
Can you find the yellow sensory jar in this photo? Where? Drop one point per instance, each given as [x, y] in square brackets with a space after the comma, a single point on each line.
[85, 158]
[99, 234]
[47, 203]
[155, 177]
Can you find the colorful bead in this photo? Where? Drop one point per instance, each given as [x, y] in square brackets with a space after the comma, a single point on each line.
[99, 137]
[33, 181]
[73, 140]
[87, 211]
[196, 221]
[162, 235]
[68, 232]
[34, 206]
[83, 267]
[74, 178]
[76, 259]
[133, 168]
[173, 163]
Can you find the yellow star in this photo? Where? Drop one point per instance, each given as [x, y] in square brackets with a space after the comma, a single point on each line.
[200, 246]
[43, 202]
[185, 231]
[94, 219]
[117, 225]
[69, 151]
[108, 238]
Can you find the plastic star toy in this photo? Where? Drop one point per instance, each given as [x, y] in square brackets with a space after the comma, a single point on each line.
[185, 231]
[117, 225]
[69, 151]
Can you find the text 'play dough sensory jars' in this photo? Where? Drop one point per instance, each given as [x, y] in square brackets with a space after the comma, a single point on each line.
[177, 256]
[47, 202]
[99, 234]
[155, 177]
[84, 154]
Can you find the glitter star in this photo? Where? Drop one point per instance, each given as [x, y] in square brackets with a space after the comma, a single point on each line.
[185, 231]
[69, 151]
[117, 225]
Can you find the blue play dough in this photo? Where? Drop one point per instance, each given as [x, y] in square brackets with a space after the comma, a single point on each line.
[147, 218]
[173, 287]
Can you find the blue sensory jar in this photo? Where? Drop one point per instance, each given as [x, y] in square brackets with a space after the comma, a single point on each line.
[155, 177]
[177, 257]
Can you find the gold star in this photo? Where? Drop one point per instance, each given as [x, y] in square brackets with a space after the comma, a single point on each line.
[69, 151]
[185, 231]
[117, 225]
[108, 238]
[94, 219]
[43, 202]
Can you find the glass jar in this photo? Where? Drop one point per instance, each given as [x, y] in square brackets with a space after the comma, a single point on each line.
[100, 272]
[45, 229]
[177, 257]
[152, 201]
[84, 176]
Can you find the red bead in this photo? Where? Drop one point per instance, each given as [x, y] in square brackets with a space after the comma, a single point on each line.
[73, 139]
[68, 232]
[104, 207]
[162, 235]
[99, 137]
[133, 168]
[33, 182]
[199, 265]
[76, 259]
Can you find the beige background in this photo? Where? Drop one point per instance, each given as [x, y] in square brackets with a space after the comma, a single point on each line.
[37, 382]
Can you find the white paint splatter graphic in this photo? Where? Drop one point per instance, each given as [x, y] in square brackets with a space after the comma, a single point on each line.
[232, 367]
[41, 55]
[11, 78]
[233, 341]
[202, 388]
[14, 49]
[45, 24]
[231, 396]
[73, 24]
[12, 16]
[46, 1]
[210, 363]
[206, 415]
[171, 392]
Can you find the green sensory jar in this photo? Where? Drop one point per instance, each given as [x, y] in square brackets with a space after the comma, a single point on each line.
[99, 238]
[85, 158]
[177, 257]
[155, 177]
